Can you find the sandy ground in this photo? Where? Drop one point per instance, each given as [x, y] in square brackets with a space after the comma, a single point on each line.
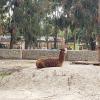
[20, 80]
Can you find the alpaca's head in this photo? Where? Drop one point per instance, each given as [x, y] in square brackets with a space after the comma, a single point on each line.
[62, 55]
[62, 51]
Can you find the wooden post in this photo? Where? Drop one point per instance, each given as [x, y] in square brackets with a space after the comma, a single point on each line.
[98, 35]
[98, 46]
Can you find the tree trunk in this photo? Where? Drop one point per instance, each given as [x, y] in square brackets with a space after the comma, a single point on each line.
[55, 41]
[28, 39]
[47, 43]
[26, 44]
[12, 41]
[55, 38]
[74, 41]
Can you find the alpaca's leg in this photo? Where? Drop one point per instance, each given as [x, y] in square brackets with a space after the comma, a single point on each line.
[40, 64]
[59, 65]
[43, 65]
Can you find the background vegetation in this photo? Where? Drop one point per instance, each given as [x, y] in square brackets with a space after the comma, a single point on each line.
[35, 18]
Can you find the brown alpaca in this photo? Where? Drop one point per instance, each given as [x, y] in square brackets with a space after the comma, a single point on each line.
[51, 62]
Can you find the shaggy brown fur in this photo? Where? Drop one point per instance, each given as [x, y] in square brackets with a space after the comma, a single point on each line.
[51, 62]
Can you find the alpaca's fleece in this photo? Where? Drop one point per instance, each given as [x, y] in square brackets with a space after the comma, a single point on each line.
[51, 62]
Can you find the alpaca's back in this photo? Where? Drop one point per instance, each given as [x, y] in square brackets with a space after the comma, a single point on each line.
[51, 62]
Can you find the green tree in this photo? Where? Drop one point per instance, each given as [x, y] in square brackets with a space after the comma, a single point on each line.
[81, 14]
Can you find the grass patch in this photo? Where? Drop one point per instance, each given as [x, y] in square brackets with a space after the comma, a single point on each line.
[3, 74]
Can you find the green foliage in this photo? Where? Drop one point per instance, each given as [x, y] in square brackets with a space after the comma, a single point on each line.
[4, 74]
[34, 18]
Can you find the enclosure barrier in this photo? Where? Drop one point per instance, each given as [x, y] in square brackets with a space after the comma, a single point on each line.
[71, 55]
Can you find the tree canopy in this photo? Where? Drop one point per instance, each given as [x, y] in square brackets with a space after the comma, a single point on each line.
[32, 18]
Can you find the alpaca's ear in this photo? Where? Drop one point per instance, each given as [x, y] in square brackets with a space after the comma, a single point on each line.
[65, 50]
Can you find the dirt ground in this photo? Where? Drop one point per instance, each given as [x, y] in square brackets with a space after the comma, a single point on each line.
[20, 80]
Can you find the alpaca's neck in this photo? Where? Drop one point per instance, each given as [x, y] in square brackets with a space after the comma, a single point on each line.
[61, 57]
